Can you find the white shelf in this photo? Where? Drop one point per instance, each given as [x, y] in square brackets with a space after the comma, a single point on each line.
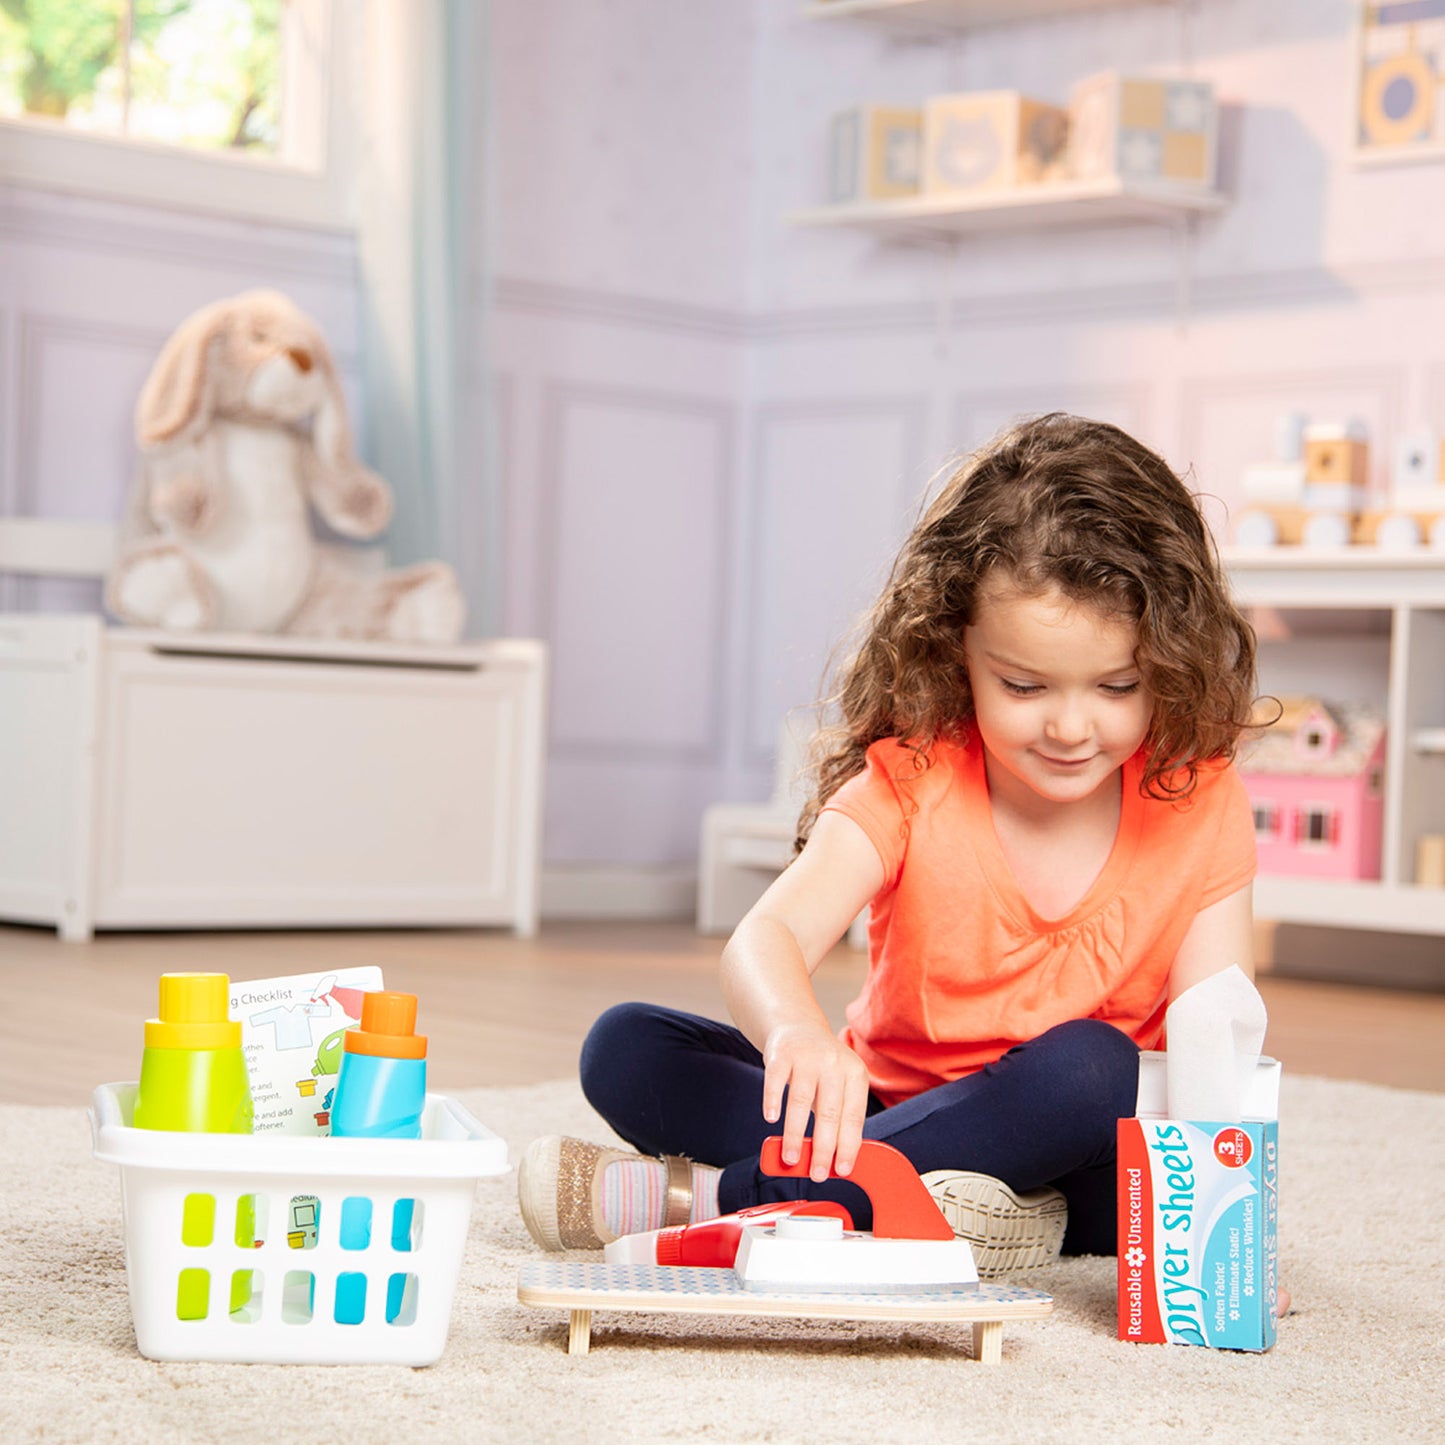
[1329, 903]
[1334, 559]
[1063, 203]
[937, 15]
[1336, 576]
[1430, 740]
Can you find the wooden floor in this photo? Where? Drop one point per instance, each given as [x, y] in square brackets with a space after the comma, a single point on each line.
[504, 1010]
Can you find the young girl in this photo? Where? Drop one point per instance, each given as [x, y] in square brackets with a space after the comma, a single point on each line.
[1030, 783]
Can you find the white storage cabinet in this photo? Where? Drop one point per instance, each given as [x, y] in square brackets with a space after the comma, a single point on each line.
[151, 780]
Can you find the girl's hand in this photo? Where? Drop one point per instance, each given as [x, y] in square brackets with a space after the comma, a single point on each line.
[825, 1078]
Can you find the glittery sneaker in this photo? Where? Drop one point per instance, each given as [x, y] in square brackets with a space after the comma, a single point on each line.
[1008, 1231]
[559, 1189]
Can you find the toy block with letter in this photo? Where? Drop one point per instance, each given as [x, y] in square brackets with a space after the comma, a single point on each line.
[875, 154]
[991, 140]
[1143, 129]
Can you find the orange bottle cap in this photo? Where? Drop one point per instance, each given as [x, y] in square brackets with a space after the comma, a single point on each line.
[194, 1013]
[387, 1028]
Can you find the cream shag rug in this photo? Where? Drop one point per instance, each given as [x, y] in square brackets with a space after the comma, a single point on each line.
[1362, 1358]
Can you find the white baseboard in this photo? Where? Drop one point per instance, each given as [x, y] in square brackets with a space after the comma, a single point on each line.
[582, 891]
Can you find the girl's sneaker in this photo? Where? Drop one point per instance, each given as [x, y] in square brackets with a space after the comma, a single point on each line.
[1008, 1230]
[560, 1191]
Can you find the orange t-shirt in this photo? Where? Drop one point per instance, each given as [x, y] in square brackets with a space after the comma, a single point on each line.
[961, 968]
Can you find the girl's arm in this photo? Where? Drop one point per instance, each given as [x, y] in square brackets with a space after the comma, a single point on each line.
[767, 970]
[1220, 937]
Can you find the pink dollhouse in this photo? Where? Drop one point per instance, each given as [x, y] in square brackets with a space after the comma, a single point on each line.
[1315, 779]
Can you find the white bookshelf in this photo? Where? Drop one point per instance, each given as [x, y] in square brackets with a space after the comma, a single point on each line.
[1367, 623]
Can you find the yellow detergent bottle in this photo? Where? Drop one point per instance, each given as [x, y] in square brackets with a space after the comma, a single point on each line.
[193, 1079]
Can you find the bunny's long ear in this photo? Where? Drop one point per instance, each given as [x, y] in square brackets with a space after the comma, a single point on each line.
[176, 397]
[331, 428]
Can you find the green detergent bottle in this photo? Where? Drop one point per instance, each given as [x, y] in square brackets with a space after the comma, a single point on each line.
[193, 1079]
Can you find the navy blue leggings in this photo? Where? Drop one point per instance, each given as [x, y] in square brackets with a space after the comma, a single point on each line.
[674, 1083]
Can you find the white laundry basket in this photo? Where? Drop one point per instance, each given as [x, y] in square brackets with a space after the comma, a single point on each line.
[252, 1226]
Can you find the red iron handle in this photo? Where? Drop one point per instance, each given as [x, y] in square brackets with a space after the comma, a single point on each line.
[902, 1206]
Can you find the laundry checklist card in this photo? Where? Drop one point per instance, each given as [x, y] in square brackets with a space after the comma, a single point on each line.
[292, 1031]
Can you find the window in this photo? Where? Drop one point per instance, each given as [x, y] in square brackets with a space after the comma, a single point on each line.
[1317, 826]
[1266, 821]
[214, 105]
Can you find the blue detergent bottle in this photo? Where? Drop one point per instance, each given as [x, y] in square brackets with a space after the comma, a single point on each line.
[380, 1094]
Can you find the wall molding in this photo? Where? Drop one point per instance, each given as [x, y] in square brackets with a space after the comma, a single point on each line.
[558, 399]
[586, 303]
[1162, 298]
[160, 233]
[1195, 393]
[1086, 399]
[36, 331]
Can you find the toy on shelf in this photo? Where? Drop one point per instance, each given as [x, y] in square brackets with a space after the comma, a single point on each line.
[991, 140]
[1143, 129]
[1315, 780]
[1315, 492]
[1416, 510]
[1312, 492]
[875, 154]
[803, 1264]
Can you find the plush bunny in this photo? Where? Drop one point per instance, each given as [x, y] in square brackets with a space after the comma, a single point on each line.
[241, 425]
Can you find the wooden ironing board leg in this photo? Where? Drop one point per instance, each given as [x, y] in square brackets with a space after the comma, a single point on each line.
[579, 1333]
[988, 1341]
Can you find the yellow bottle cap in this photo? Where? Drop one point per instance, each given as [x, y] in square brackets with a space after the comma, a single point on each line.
[388, 1027]
[195, 1013]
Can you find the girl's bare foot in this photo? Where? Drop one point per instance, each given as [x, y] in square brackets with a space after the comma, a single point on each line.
[1282, 1303]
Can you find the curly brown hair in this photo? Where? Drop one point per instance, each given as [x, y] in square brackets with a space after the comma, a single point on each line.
[1056, 502]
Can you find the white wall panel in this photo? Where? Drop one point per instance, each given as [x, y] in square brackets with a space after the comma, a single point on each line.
[75, 447]
[831, 492]
[633, 567]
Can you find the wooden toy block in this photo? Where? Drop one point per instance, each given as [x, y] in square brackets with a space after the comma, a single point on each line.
[1336, 455]
[875, 154]
[991, 140]
[1280, 483]
[1143, 129]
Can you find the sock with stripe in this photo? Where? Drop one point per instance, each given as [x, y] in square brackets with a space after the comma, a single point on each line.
[634, 1191]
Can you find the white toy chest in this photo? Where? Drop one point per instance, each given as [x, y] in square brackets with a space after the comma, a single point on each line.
[289, 1283]
[156, 780]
